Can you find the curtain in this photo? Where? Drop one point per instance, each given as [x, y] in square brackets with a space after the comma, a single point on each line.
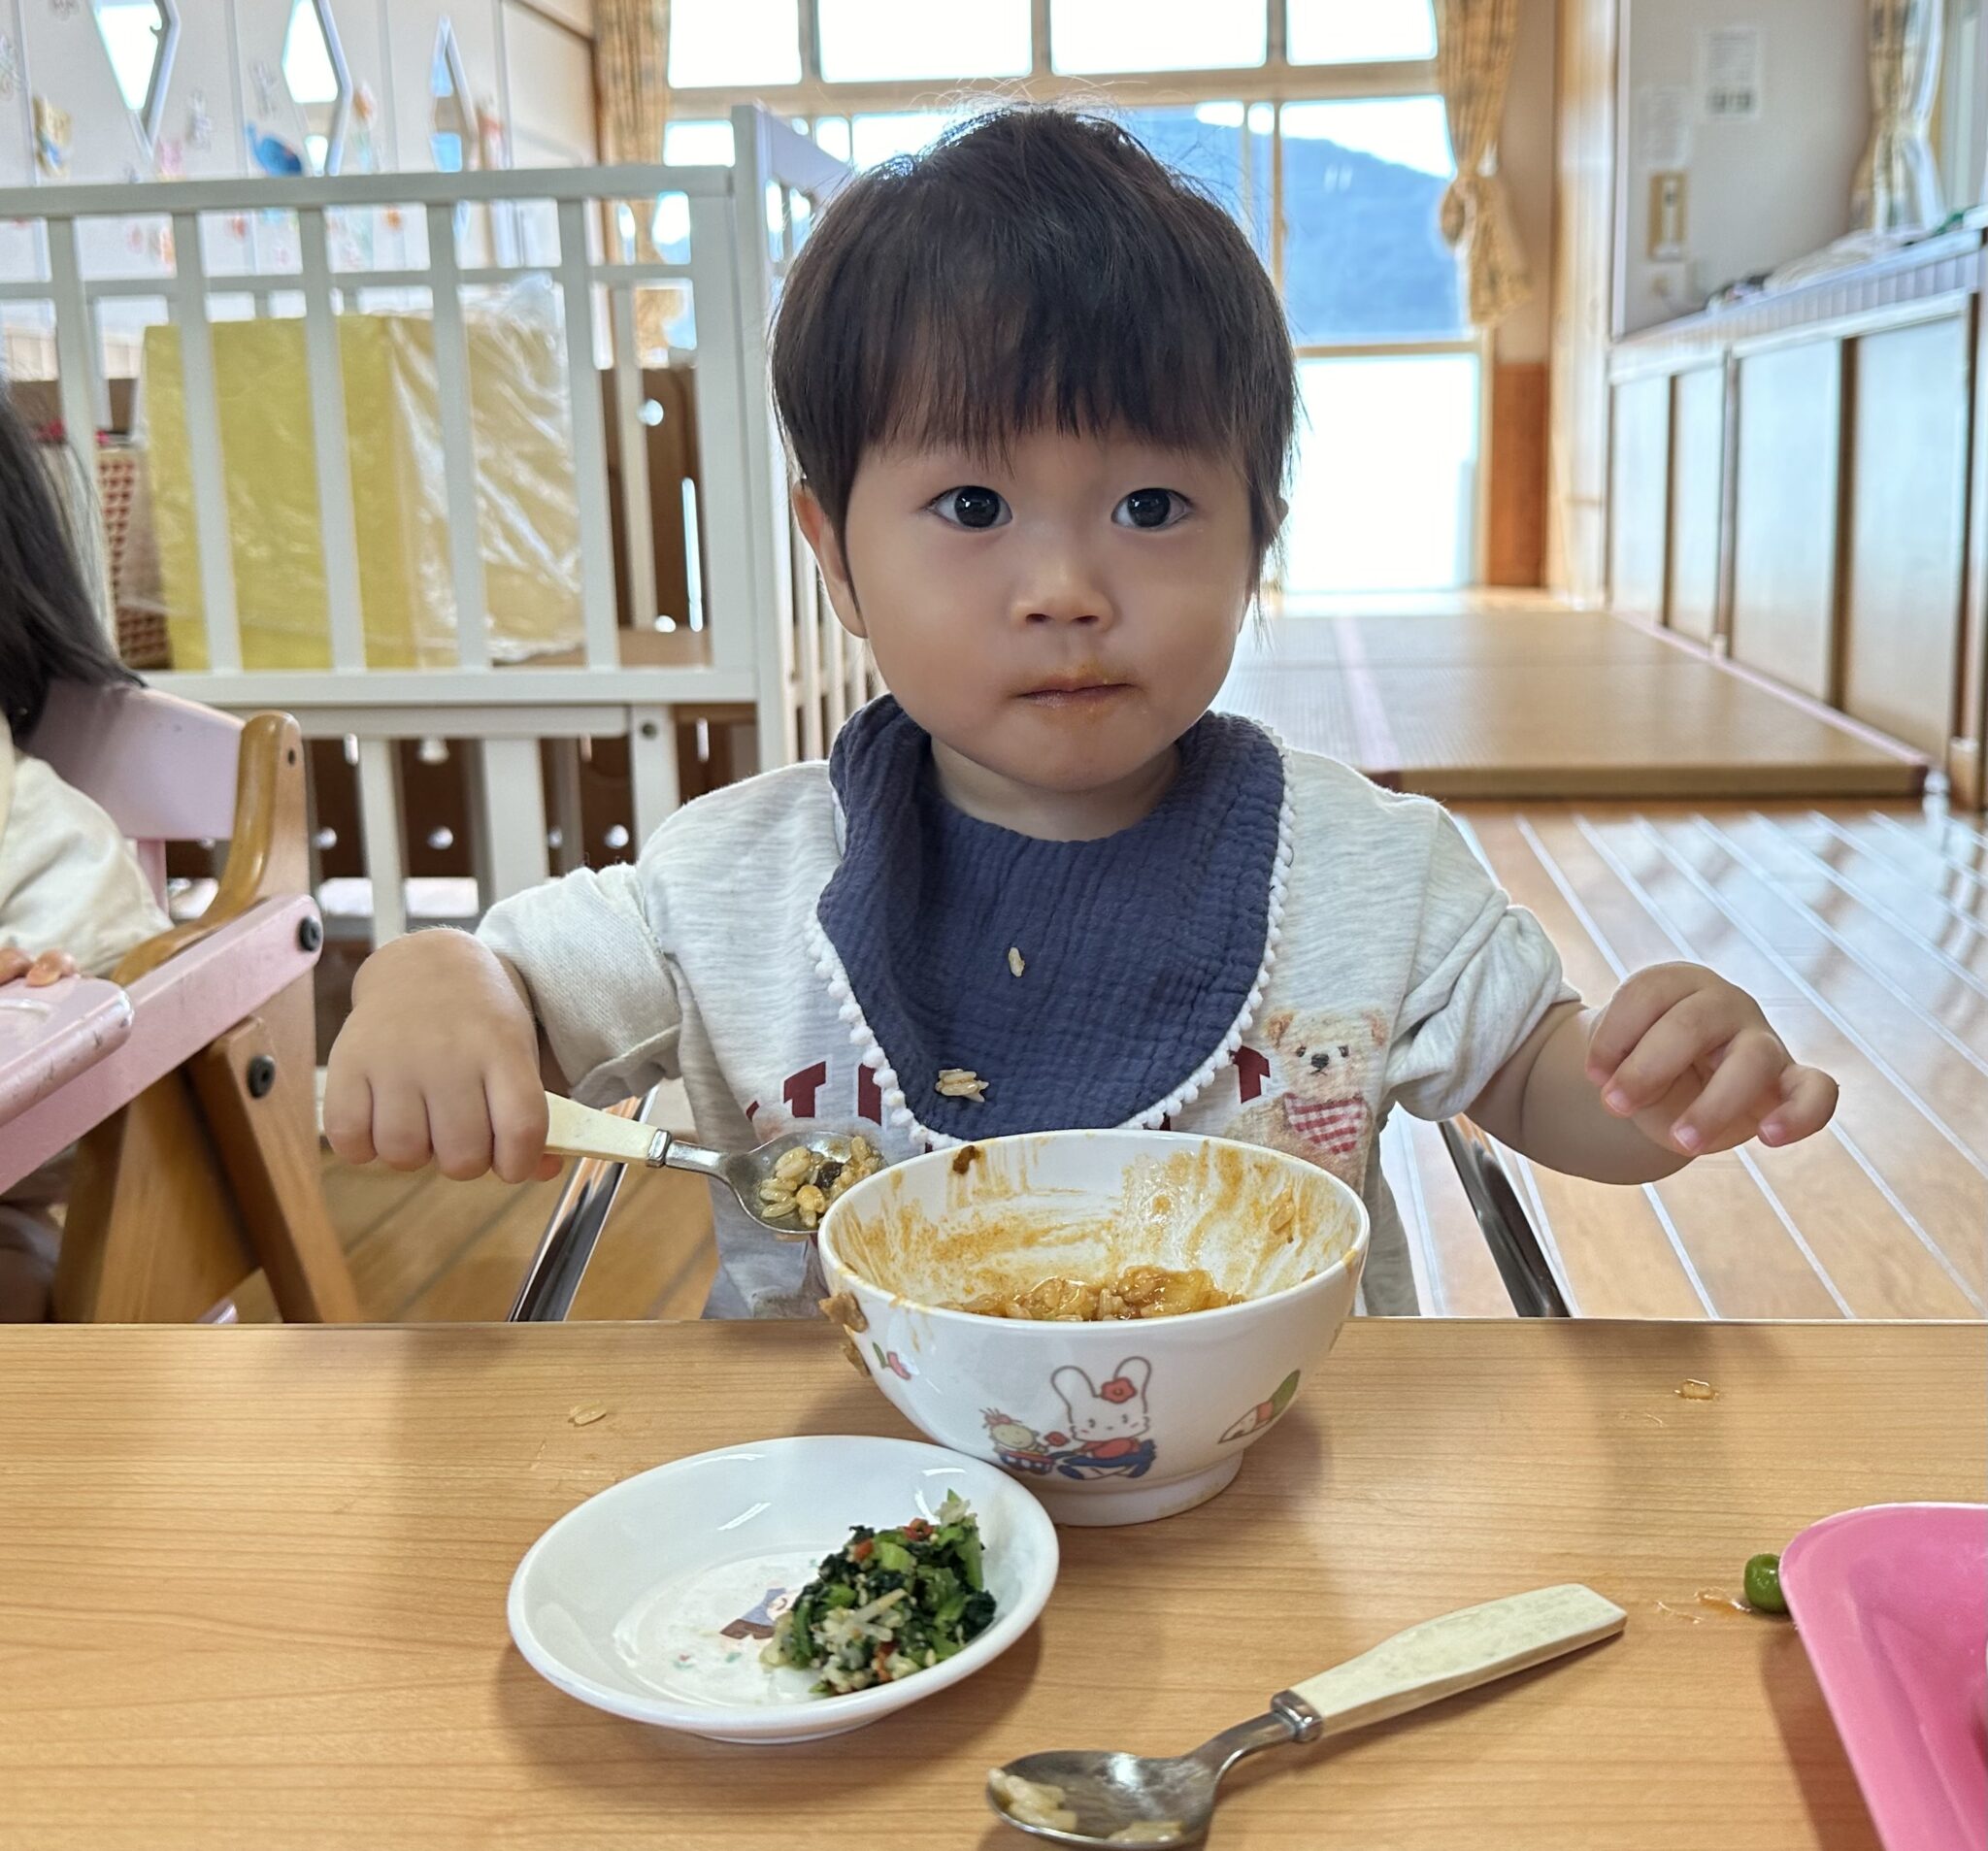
[631, 62]
[1897, 185]
[1474, 41]
[631, 56]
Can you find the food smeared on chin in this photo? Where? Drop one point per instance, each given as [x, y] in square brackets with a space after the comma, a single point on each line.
[889, 1604]
[1137, 1291]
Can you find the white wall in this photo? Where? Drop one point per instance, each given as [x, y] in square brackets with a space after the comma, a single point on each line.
[388, 46]
[1759, 193]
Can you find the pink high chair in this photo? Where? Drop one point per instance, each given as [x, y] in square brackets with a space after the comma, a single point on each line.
[190, 1078]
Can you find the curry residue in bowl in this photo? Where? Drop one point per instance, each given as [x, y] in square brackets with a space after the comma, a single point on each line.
[1139, 1291]
[1190, 1231]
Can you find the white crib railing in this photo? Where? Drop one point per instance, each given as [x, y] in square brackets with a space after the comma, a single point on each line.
[763, 637]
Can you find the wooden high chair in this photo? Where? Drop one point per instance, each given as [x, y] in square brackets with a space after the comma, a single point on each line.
[195, 1103]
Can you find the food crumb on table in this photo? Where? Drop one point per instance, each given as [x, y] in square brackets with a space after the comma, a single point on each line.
[961, 1082]
[587, 1415]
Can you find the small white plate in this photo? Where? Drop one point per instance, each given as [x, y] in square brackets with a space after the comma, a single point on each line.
[652, 1600]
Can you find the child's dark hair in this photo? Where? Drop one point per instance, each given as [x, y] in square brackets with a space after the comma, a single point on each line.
[1034, 268]
[50, 629]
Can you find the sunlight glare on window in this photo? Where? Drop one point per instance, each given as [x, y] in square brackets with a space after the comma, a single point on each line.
[132, 30]
[1358, 31]
[734, 43]
[878, 41]
[698, 144]
[877, 138]
[308, 70]
[1410, 131]
[1087, 36]
[1382, 497]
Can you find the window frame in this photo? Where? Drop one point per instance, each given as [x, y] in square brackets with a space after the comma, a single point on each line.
[1275, 81]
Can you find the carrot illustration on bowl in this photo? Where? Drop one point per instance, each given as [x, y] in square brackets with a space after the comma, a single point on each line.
[1265, 1411]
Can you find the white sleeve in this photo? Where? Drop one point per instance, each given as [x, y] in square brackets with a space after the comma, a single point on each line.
[1484, 973]
[68, 879]
[602, 983]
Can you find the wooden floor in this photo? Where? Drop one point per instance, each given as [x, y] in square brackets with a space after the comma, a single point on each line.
[1862, 928]
[1517, 697]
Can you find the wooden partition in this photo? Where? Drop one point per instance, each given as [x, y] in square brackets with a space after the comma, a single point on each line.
[1696, 524]
[1784, 529]
[1791, 485]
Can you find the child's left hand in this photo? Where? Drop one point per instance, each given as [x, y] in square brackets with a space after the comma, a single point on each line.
[40, 971]
[1690, 1060]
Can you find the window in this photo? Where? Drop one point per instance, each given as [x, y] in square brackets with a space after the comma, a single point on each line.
[140, 37]
[698, 144]
[877, 41]
[734, 43]
[1332, 155]
[1088, 37]
[1363, 256]
[1358, 31]
[314, 74]
[308, 69]
[451, 126]
[1202, 140]
[1385, 493]
[877, 138]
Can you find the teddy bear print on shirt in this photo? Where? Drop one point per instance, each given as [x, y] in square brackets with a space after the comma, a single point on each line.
[1327, 1068]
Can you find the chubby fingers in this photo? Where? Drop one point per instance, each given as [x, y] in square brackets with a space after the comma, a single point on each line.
[1697, 1027]
[1731, 1103]
[1637, 1006]
[1809, 1102]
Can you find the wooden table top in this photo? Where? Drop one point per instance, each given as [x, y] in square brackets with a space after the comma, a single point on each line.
[252, 1581]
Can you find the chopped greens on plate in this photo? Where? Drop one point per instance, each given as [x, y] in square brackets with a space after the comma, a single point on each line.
[888, 1603]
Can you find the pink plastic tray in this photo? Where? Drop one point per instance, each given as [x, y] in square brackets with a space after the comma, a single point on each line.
[1893, 1607]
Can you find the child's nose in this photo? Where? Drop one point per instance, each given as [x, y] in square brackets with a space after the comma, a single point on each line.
[1062, 590]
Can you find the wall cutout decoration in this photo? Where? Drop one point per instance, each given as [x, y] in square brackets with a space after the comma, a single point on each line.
[140, 38]
[318, 83]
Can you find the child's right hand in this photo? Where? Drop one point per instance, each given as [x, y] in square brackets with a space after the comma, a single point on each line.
[40, 971]
[438, 1060]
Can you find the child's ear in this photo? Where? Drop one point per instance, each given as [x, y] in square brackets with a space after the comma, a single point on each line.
[825, 544]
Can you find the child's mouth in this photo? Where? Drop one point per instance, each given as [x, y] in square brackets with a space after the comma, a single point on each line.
[1083, 694]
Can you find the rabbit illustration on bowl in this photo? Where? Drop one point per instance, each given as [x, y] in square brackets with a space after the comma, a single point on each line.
[1106, 1424]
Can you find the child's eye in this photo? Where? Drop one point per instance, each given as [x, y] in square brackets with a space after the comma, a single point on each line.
[1151, 507]
[972, 506]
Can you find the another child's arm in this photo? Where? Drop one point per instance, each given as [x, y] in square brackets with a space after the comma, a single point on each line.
[1679, 1064]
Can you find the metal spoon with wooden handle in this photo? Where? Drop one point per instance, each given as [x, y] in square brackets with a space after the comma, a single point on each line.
[1099, 1797]
[575, 1130]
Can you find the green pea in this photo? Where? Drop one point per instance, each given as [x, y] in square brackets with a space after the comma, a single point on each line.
[1763, 1584]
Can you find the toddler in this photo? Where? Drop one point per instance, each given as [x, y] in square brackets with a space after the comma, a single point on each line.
[1039, 397]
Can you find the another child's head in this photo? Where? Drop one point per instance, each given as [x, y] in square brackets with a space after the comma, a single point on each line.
[50, 629]
[1040, 393]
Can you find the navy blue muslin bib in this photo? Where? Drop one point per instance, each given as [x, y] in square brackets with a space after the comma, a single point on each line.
[1140, 951]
